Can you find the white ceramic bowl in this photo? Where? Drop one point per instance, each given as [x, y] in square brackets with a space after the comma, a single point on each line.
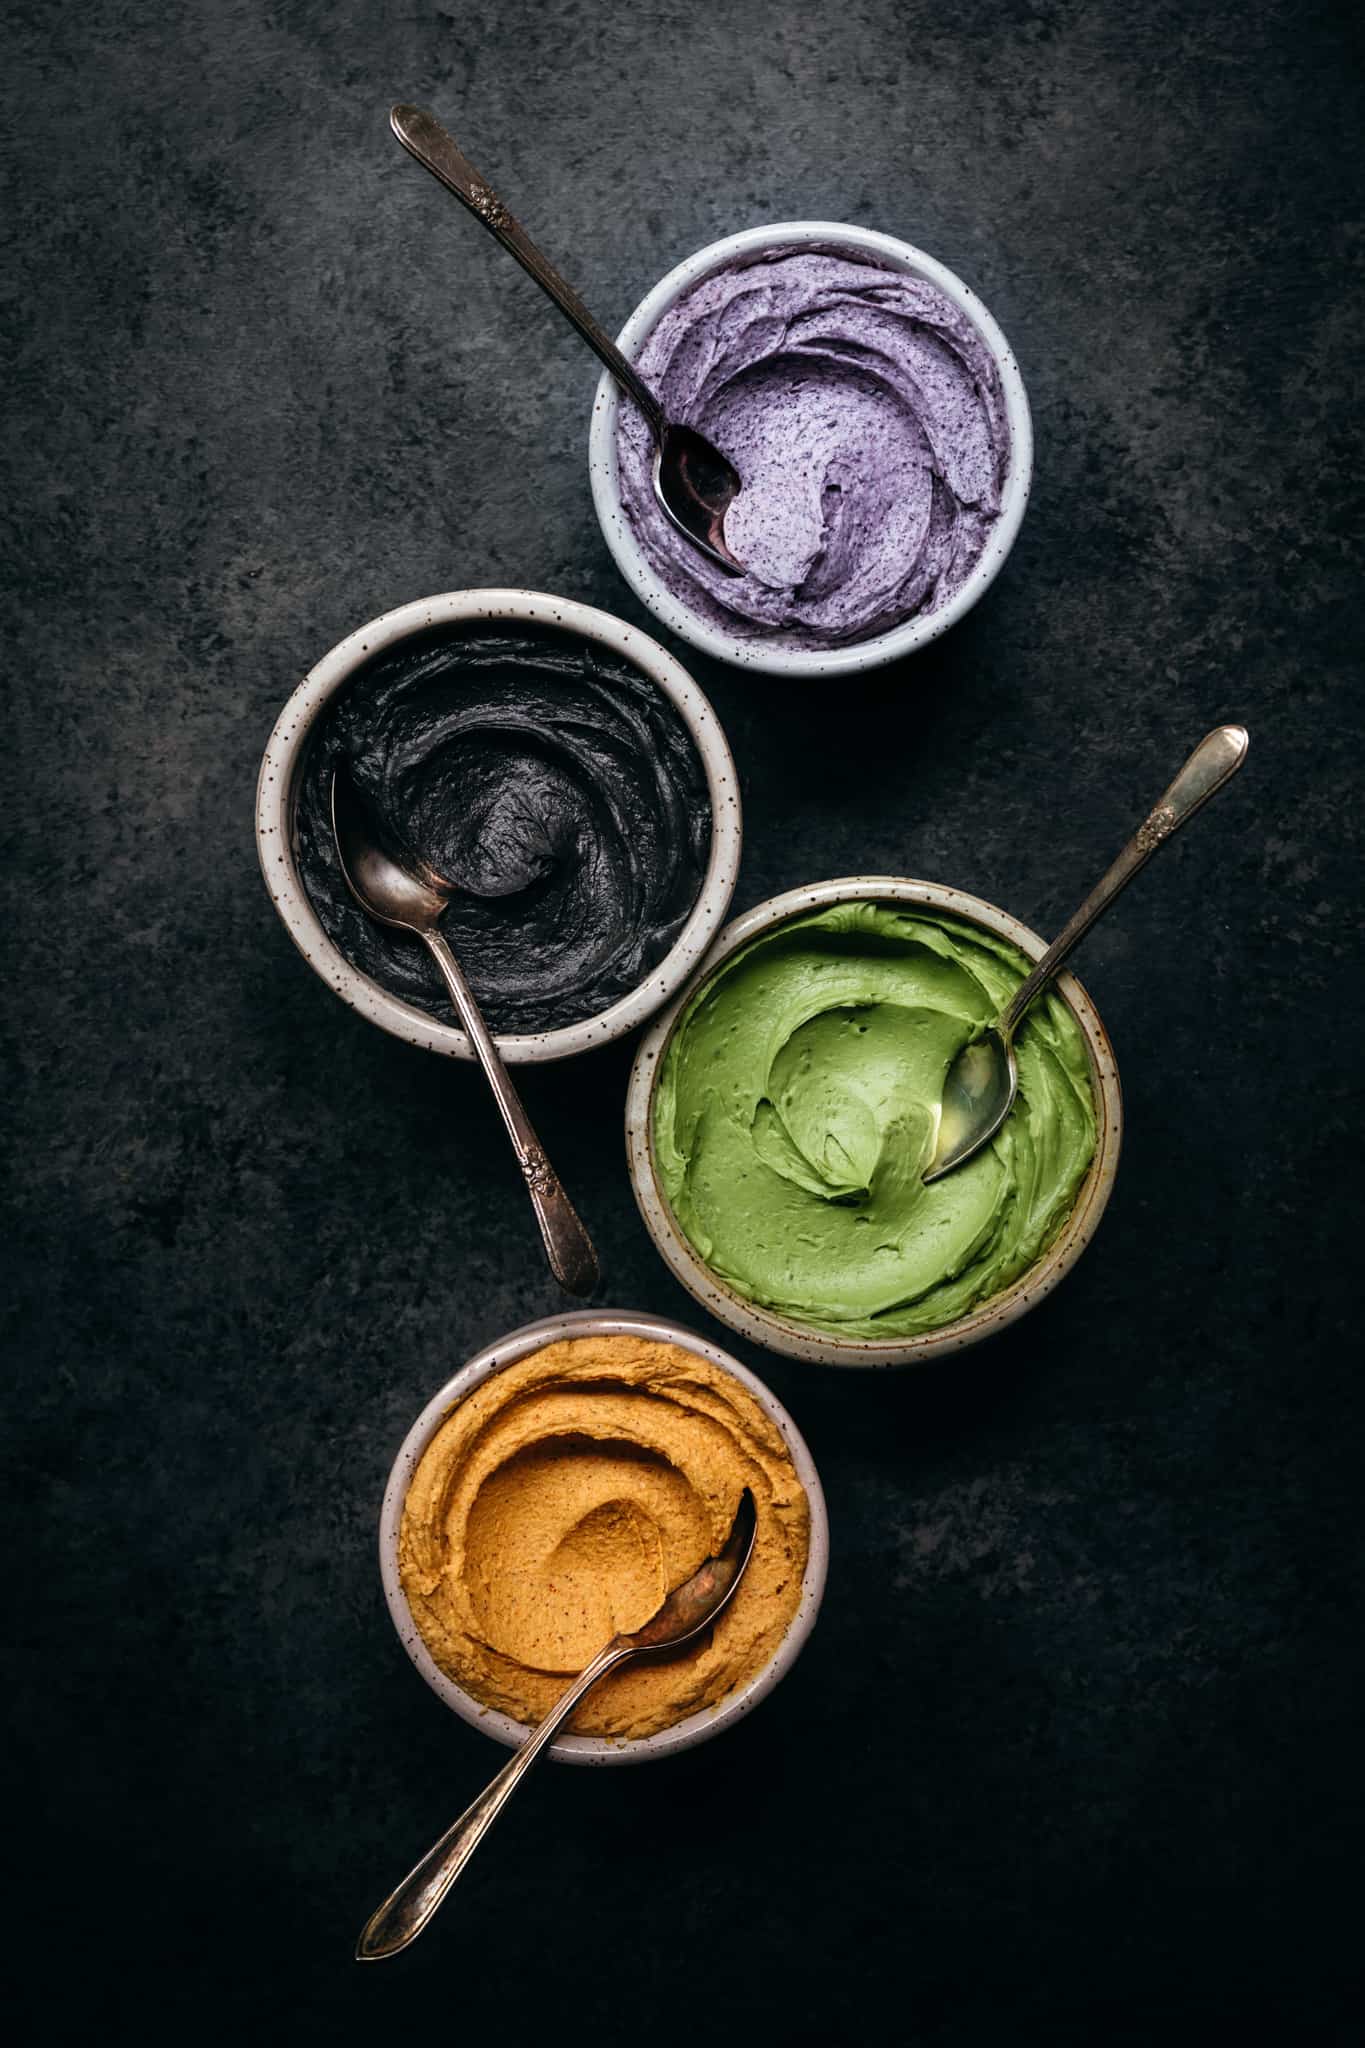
[283, 764]
[767, 654]
[600, 1749]
[798, 1340]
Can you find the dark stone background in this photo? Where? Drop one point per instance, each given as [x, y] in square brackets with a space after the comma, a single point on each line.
[1073, 1752]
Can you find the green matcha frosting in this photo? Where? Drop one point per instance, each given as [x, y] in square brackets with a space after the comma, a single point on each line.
[796, 1110]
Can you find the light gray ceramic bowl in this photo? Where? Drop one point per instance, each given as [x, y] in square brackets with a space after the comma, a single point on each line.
[283, 765]
[600, 1749]
[767, 652]
[798, 1340]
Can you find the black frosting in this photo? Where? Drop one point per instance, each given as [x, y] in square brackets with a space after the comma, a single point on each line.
[552, 782]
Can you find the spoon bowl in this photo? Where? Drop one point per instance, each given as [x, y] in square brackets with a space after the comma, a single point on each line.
[978, 1094]
[695, 486]
[394, 888]
[699, 1601]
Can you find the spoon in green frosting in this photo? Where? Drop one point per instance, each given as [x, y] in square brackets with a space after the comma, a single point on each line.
[983, 1080]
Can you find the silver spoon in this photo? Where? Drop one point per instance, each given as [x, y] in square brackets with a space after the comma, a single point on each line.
[982, 1082]
[688, 1609]
[394, 887]
[693, 482]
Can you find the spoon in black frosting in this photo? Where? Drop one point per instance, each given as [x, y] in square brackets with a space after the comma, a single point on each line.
[394, 887]
[693, 481]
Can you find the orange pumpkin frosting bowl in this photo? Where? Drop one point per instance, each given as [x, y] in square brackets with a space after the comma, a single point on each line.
[562, 1497]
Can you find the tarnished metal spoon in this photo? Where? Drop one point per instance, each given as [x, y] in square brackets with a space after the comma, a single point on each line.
[693, 481]
[392, 886]
[689, 1609]
[982, 1082]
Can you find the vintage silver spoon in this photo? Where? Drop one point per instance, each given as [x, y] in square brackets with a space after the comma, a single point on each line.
[689, 1608]
[391, 885]
[693, 482]
[983, 1080]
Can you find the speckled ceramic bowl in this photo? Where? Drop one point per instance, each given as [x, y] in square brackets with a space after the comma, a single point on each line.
[799, 1340]
[767, 652]
[282, 769]
[600, 1749]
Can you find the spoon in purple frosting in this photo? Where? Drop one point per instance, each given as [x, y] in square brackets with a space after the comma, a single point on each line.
[693, 481]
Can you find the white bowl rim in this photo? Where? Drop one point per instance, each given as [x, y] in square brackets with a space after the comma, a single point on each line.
[793, 1340]
[286, 749]
[600, 1749]
[757, 653]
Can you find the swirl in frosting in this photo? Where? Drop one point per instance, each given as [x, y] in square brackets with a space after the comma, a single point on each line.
[865, 416]
[552, 783]
[798, 1103]
[562, 1500]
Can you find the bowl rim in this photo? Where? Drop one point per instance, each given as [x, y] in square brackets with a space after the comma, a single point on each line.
[286, 751]
[496, 1357]
[794, 1340]
[756, 653]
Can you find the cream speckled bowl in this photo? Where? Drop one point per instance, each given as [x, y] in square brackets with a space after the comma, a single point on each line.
[282, 768]
[797, 1340]
[600, 1749]
[765, 652]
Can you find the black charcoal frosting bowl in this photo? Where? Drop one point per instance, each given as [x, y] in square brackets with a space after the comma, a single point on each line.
[558, 767]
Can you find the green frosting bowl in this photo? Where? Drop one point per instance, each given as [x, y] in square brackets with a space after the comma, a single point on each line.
[782, 1332]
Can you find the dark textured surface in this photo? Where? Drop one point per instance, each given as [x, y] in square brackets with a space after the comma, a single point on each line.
[1072, 1754]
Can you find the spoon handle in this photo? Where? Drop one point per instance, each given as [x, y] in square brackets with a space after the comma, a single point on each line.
[567, 1244]
[411, 1904]
[1213, 762]
[423, 137]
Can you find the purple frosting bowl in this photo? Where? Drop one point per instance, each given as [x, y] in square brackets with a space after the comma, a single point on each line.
[778, 641]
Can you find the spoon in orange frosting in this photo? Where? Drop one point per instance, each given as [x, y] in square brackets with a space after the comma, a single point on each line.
[688, 1610]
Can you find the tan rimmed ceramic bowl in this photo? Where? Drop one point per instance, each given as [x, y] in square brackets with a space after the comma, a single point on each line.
[798, 1340]
[601, 1749]
[283, 767]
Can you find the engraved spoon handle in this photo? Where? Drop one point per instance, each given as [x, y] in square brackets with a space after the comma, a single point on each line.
[423, 137]
[567, 1244]
[411, 1904]
[1213, 762]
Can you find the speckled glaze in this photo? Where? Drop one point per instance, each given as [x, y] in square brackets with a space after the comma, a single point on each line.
[597, 1749]
[700, 624]
[795, 1340]
[283, 767]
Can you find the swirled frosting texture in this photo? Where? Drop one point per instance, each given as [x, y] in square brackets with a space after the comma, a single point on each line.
[560, 1502]
[549, 780]
[864, 414]
[797, 1106]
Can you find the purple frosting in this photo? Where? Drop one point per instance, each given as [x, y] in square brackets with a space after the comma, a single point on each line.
[865, 416]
